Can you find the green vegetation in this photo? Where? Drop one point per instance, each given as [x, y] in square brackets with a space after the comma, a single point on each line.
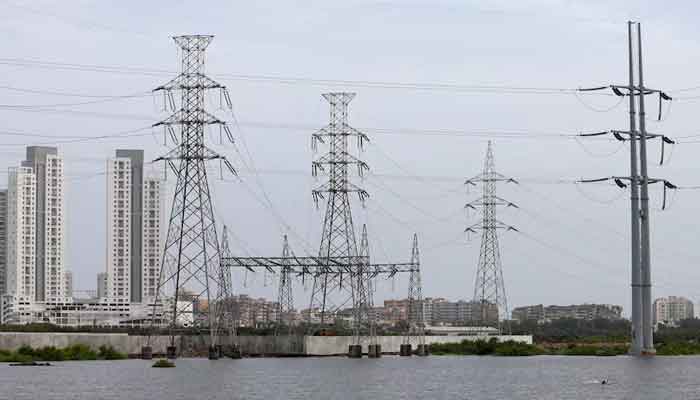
[483, 347]
[77, 352]
[590, 350]
[163, 364]
[678, 349]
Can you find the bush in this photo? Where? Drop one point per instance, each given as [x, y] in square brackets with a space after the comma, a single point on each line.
[483, 347]
[108, 353]
[78, 352]
[49, 353]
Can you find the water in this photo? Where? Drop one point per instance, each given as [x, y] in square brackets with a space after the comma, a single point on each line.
[543, 377]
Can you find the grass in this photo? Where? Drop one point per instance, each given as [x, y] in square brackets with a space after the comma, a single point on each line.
[76, 352]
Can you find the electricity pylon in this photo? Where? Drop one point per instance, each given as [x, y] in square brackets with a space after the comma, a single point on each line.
[364, 318]
[333, 284]
[489, 288]
[285, 301]
[416, 309]
[188, 275]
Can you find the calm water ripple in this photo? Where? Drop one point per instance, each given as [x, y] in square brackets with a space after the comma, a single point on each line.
[543, 377]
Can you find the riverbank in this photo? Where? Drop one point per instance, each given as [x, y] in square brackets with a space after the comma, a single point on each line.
[507, 348]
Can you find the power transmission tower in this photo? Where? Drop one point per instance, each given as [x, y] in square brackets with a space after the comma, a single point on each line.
[364, 319]
[489, 288]
[416, 309]
[641, 327]
[191, 256]
[285, 301]
[333, 284]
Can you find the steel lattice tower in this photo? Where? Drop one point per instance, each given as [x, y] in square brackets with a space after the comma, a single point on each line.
[489, 288]
[416, 310]
[364, 318]
[189, 272]
[223, 306]
[333, 283]
[285, 301]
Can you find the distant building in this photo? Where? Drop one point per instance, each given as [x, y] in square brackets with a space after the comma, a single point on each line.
[101, 285]
[252, 312]
[671, 310]
[589, 312]
[3, 244]
[133, 229]
[49, 230]
[68, 277]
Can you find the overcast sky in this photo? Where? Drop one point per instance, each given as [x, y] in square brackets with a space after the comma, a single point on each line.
[573, 246]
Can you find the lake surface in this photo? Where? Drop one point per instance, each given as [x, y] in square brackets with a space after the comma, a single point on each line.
[542, 377]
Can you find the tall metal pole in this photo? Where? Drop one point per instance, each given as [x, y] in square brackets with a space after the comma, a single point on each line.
[648, 338]
[637, 333]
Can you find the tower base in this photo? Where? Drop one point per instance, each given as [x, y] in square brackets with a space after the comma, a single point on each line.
[374, 351]
[405, 350]
[171, 352]
[213, 352]
[146, 353]
[422, 350]
[355, 351]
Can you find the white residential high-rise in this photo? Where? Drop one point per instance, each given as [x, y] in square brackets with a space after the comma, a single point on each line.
[101, 285]
[119, 229]
[3, 243]
[133, 229]
[68, 285]
[671, 310]
[151, 237]
[47, 167]
[21, 234]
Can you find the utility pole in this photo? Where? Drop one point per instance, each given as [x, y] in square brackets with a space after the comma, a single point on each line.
[637, 332]
[489, 288]
[642, 329]
[648, 332]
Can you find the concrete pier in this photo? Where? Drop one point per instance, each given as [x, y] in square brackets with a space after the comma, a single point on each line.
[171, 352]
[355, 351]
[374, 351]
[422, 350]
[146, 353]
[405, 350]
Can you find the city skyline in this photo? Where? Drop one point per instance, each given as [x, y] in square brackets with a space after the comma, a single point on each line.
[571, 234]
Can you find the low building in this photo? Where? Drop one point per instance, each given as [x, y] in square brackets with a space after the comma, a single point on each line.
[587, 312]
[671, 310]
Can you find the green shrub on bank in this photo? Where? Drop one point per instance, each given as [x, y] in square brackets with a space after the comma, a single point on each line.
[483, 347]
[77, 352]
[592, 350]
[678, 349]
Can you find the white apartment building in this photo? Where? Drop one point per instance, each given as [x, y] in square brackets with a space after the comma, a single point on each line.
[119, 229]
[21, 234]
[671, 310]
[133, 229]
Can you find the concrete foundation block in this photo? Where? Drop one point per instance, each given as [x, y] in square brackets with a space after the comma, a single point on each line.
[171, 352]
[355, 351]
[374, 351]
[146, 353]
[213, 353]
[405, 350]
[422, 350]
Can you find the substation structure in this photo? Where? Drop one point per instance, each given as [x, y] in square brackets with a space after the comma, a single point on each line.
[342, 273]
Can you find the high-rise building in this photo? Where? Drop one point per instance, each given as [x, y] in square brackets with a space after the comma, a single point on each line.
[133, 229]
[3, 243]
[671, 310]
[68, 284]
[21, 234]
[101, 285]
[47, 167]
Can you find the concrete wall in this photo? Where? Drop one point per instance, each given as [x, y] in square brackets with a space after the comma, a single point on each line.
[338, 345]
[197, 345]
